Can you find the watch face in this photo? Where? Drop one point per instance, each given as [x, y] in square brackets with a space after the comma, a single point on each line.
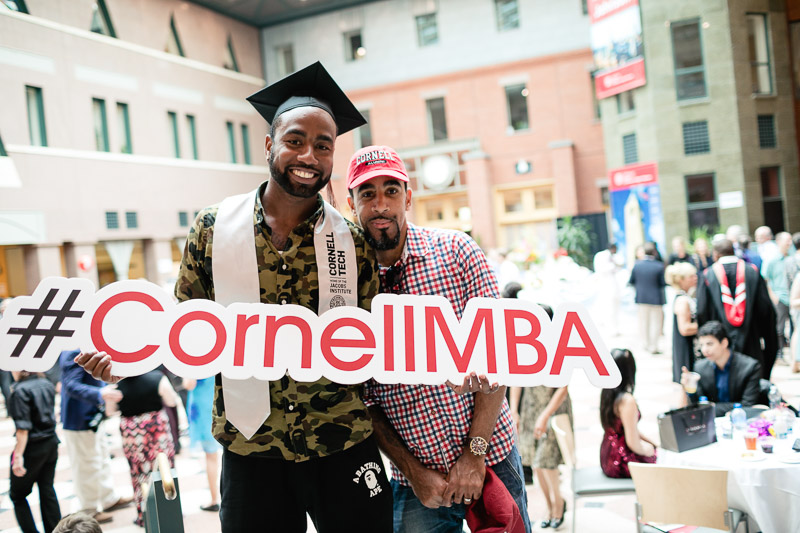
[478, 445]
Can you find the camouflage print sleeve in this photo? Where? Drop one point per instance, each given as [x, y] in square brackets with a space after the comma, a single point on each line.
[195, 278]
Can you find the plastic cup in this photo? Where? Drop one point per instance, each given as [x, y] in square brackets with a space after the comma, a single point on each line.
[691, 382]
[750, 438]
[767, 445]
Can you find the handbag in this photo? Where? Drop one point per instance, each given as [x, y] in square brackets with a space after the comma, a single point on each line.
[495, 511]
[687, 428]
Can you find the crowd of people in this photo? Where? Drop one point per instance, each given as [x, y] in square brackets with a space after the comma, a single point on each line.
[446, 443]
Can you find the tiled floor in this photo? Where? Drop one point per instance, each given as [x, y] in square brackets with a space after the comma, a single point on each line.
[655, 393]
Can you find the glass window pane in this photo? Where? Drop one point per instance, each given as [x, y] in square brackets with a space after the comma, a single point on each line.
[100, 124]
[770, 182]
[231, 142]
[436, 119]
[112, 220]
[183, 219]
[363, 135]
[354, 46]
[192, 134]
[131, 220]
[507, 14]
[517, 99]
[124, 127]
[172, 118]
[513, 201]
[766, 131]
[246, 144]
[630, 152]
[691, 85]
[38, 134]
[625, 102]
[686, 45]
[707, 217]
[543, 198]
[285, 56]
[700, 188]
[427, 30]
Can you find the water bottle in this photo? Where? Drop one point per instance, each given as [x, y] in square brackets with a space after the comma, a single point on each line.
[738, 418]
[703, 400]
[774, 397]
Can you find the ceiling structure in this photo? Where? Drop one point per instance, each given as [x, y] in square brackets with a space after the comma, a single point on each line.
[262, 13]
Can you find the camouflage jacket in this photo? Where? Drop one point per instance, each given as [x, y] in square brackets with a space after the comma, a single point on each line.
[307, 420]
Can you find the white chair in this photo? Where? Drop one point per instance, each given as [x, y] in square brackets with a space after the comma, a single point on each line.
[587, 481]
[691, 496]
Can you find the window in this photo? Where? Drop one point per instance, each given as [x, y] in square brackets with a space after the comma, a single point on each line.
[427, 30]
[702, 206]
[124, 124]
[231, 143]
[595, 101]
[183, 219]
[285, 59]
[759, 53]
[174, 41]
[517, 99]
[101, 21]
[507, 13]
[437, 123]
[354, 46]
[630, 152]
[100, 124]
[585, 7]
[192, 134]
[766, 131]
[690, 75]
[172, 118]
[230, 57]
[512, 201]
[771, 198]
[131, 220]
[543, 198]
[363, 136]
[625, 103]
[3, 152]
[695, 138]
[38, 132]
[246, 144]
[112, 220]
[16, 5]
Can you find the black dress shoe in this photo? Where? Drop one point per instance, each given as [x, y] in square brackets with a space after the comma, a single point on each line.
[556, 522]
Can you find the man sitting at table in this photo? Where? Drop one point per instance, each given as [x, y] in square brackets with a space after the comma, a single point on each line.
[725, 376]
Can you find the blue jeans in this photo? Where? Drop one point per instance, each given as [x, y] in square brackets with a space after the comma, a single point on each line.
[410, 516]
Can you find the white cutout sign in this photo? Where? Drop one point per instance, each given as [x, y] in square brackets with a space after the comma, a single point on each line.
[405, 339]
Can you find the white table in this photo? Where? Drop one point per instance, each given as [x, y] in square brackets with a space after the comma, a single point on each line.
[767, 490]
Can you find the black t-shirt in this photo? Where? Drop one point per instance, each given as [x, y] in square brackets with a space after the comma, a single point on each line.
[140, 394]
[32, 406]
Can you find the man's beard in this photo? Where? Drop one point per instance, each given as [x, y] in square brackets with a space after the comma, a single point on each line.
[384, 242]
[296, 189]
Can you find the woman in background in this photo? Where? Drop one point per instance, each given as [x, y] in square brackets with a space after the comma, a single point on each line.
[145, 427]
[683, 278]
[199, 407]
[619, 414]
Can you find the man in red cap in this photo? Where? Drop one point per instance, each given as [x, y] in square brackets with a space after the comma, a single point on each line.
[440, 442]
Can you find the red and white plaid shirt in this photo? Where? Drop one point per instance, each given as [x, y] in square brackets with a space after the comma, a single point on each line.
[434, 421]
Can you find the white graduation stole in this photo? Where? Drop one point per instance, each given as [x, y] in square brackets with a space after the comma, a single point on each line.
[235, 274]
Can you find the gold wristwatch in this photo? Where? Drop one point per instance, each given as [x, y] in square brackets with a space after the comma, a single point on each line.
[478, 445]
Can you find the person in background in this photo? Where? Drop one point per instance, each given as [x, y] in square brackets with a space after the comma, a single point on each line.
[537, 440]
[199, 407]
[83, 401]
[749, 318]
[606, 266]
[5, 375]
[745, 252]
[794, 300]
[701, 258]
[32, 406]
[683, 278]
[78, 523]
[726, 377]
[145, 427]
[619, 415]
[766, 246]
[647, 277]
[777, 273]
[679, 253]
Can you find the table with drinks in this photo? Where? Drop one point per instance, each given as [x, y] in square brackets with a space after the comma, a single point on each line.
[763, 469]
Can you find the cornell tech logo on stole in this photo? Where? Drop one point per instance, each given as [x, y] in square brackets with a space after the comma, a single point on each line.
[369, 474]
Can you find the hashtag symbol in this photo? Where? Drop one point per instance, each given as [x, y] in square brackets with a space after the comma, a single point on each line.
[47, 334]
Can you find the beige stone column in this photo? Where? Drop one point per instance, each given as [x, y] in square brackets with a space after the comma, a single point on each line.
[480, 198]
[81, 262]
[41, 261]
[562, 157]
[158, 260]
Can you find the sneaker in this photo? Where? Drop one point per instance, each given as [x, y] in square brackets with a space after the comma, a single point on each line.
[123, 501]
[102, 517]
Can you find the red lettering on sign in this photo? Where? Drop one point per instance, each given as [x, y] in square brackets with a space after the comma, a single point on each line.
[388, 339]
[327, 342]
[433, 316]
[573, 320]
[530, 339]
[408, 315]
[273, 325]
[243, 322]
[96, 328]
[175, 338]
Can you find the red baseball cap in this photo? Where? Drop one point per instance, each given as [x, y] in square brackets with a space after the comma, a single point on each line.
[373, 161]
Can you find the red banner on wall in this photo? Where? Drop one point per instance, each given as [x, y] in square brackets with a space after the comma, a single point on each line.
[616, 39]
[632, 176]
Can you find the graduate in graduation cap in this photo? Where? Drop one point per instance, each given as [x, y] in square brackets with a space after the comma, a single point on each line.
[290, 448]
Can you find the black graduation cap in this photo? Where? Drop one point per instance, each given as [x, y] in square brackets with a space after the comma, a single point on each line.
[311, 86]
